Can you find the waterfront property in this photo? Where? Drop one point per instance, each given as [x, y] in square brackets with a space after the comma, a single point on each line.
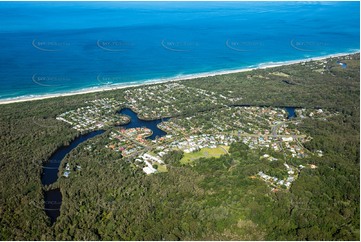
[203, 134]
[99, 114]
[129, 141]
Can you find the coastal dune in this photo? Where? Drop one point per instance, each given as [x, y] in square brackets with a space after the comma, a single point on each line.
[158, 81]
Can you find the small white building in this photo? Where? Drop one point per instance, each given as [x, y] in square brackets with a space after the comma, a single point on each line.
[149, 170]
[66, 174]
[289, 139]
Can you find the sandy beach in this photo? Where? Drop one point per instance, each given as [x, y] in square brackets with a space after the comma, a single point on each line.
[157, 81]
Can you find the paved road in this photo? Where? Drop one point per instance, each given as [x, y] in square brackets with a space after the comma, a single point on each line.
[275, 136]
[274, 131]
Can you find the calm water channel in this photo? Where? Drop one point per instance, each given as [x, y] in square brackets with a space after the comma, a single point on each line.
[53, 198]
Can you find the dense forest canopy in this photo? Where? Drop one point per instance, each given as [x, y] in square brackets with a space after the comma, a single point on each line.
[208, 199]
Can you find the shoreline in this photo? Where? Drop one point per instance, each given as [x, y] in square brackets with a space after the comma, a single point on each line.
[165, 80]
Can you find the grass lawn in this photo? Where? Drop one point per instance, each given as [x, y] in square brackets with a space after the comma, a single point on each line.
[162, 168]
[205, 152]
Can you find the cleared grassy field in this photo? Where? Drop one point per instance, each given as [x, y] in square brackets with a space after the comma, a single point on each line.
[205, 152]
[162, 168]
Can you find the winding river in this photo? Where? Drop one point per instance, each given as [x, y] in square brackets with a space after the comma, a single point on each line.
[53, 198]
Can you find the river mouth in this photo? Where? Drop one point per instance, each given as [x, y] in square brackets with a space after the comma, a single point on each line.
[53, 198]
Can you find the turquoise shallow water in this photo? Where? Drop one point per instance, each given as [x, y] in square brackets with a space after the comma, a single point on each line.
[65, 46]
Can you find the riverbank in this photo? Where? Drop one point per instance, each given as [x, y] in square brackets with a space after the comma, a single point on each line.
[172, 79]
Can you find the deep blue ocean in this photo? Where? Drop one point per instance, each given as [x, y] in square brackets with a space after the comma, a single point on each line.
[66, 46]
